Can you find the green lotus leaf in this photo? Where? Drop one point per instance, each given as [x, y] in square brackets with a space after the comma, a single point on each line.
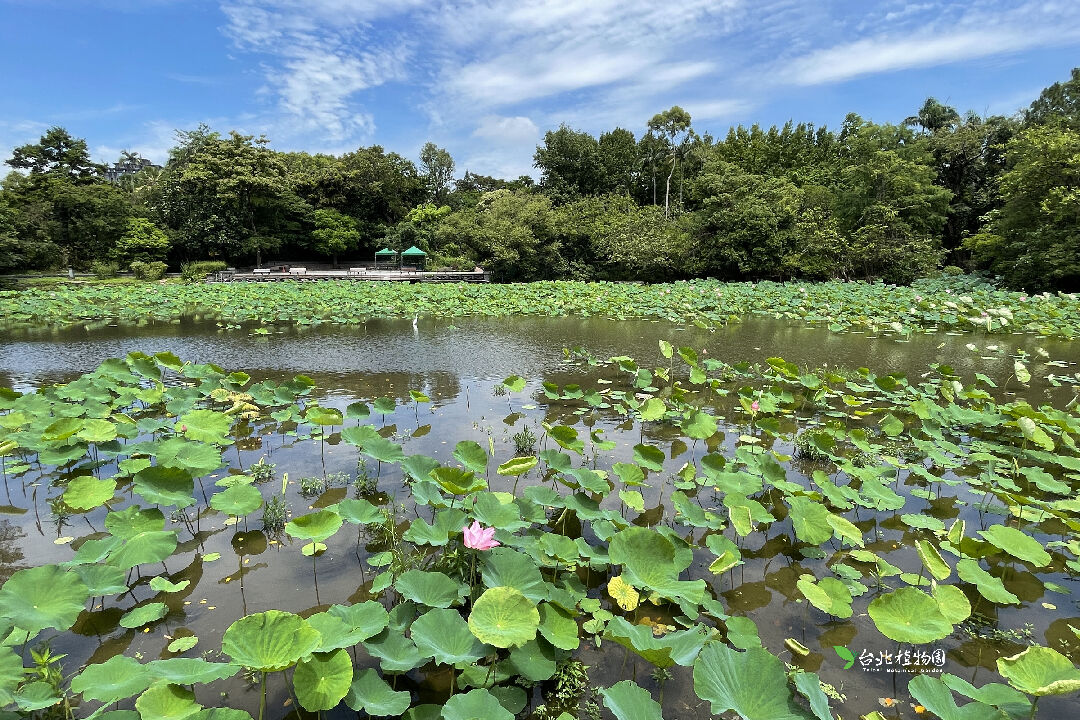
[396, 653]
[238, 500]
[163, 584]
[510, 697]
[196, 457]
[457, 481]
[517, 466]
[936, 697]
[419, 467]
[514, 383]
[144, 614]
[650, 562]
[433, 589]
[535, 661]
[317, 526]
[828, 595]
[371, 694]
[503, 617]
[367, 618]
[95, 430]
[471, 456]
[165, 701]
[381, 449]
[649, 457]
[932, 560]
[444, 635]
[952, 603]
[751, 683]
[909, 615]
[506, 567]
[209, 426]
[358, 512]
[317, 415]
[132, 520]
[700, 425]
[165, 486]
[144, 548]
[628, 701]
[809, 686]
[1040, 671]
[360, 435]
[323, 680]
[677, 648]
[1010, 700]
[490, 510]
[117, 678]
[990, 587]
[1016, 543]
[630, 474]
[384, 405]
[102, 580]
[87, 492]
[652, 409]
[846, 529]
[357, 411]
[191, 671]
[269, 641]
[474, 705]
[558, 627]
[567, 437]
[36, 696]
[810, 520]
[183, 644]
[43, 597]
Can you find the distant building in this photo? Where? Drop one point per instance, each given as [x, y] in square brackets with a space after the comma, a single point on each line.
[127, 167]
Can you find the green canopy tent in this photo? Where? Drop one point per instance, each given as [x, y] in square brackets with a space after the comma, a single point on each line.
[386, 258]
[415, 256]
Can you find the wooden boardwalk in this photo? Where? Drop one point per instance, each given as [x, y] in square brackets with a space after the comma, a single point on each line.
[412, 276]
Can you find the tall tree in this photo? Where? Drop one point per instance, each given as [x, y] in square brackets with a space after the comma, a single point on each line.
[228, 197]
[1034, 239]
[437, 166]
[673, 125]
[56, 153]
[1058, 103]
[934, 116]
[619, 158]
[569, 164]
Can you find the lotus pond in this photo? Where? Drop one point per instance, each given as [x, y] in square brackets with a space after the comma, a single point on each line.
[684, 526]
[949, 303]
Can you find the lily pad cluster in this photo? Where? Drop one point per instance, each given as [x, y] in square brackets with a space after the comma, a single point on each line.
[949, 303]
[920, 502]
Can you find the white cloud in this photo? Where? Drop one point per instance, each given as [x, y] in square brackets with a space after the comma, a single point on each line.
[913, 37]
[715, 109]
[507, 130]
[884, 54]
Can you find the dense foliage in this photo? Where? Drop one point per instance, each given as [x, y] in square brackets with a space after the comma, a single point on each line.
[955, 303]
[923, 516]
[891, 202]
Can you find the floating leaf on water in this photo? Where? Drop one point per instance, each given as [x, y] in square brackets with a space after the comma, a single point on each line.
[143, 615]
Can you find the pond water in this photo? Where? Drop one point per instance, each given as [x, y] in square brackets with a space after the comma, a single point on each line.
[460, 366]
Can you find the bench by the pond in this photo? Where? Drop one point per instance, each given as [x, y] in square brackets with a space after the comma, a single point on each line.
[261, 271]
[298, 271]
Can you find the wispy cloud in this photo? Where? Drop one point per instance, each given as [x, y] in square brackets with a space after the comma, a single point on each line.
[922, 35]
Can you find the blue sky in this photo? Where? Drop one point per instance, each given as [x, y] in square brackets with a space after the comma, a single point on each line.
[485, 79]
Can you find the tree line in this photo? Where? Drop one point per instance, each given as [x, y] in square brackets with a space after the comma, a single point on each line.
[869, 200]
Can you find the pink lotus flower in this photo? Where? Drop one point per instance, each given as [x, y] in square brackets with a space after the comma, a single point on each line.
[755, 406]
[479, 538]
